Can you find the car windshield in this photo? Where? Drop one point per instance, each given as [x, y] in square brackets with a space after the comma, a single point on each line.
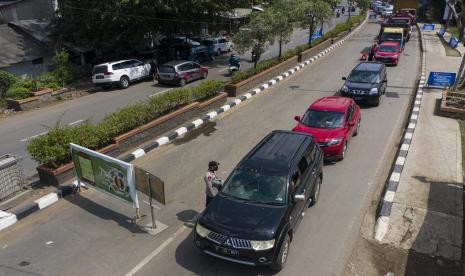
[391, 37]
[100, 69]
[253, 186]
[166, 69]
[323, 119]
[388, 49]
[364, 76]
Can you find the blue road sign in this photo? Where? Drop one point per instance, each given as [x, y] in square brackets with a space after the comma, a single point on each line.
[428, 27]
[441, 79]
[441, 32]
[317, 34]
[453, 42]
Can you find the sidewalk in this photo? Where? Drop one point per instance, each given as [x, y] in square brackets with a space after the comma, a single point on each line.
[427, 210]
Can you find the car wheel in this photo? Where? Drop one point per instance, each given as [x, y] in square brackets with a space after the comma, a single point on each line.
[357, 127]
[204, 75]
[316, 193]
[182, 82]
[377, 102]
[344, 151]
[281, 259]
[124, 82]
[230, 49]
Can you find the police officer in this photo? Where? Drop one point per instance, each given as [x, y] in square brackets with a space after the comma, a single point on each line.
[210, 189]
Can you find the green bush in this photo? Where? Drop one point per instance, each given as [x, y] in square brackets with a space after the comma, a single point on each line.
[19, 93]
[6, 81]
[52, 149]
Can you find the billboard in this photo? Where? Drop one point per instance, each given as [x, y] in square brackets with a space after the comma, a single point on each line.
[105, 173]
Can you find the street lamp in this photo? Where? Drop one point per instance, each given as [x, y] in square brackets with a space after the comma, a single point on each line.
[312, 17]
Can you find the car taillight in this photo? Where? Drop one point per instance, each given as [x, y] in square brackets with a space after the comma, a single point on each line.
[108, 73]
[176, 75]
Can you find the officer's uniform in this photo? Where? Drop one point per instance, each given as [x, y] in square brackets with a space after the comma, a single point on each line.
[210, 190]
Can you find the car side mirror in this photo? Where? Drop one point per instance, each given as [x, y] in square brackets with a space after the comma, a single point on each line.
[297, 118]
[351, 124]
[299, 197]
[344, 78]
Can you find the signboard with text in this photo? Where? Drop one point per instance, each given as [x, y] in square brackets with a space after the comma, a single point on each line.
[105, 173]
[453, 42]
[441, 32]
[428, 27]
[318, 34]
[441, 79]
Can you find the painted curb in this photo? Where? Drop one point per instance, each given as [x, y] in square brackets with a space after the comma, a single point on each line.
[382, 223]
[195, 124]
[8, 219]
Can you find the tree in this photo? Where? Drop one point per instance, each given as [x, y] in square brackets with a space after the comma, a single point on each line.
[6, 81]
[457, 8]
[257, 35]
[313, 13]
[282, 16]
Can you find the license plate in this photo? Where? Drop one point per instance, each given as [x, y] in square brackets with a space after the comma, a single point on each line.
[99, 77]
[165, 77]
[357, 98]
[227, 251]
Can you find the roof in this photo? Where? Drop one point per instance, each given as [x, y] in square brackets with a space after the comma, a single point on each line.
[112, 62]
[17, 47]
[390, 43]
[276, 152]
[36, 28]
[332, 103]
[393, 30]
[4, 3]
[369, 66]
[174, 62]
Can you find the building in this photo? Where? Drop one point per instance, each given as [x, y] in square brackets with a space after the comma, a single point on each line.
[22, 54]
[14, 10]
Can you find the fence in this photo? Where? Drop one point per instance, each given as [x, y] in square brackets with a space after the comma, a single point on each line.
[11, 176]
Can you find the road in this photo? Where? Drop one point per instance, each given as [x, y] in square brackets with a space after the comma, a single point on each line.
[90, 234]
[18, 129]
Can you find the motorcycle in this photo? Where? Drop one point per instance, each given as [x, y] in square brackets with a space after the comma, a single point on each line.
[234, 68]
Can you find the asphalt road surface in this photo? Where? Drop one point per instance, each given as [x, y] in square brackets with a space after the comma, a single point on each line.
[91, 234]
[15, 131]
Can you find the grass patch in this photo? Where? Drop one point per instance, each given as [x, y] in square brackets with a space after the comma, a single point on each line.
[3, 104]
[453, 30]
[462, 133]
[449, 51]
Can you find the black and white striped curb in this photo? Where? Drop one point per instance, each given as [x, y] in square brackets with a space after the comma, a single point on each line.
[382, 223]
[8, 219]
[195, 124]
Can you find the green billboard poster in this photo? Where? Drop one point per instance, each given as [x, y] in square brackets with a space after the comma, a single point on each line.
[105, 173]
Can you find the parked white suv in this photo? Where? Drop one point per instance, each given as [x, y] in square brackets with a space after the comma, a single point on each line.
[121, 72]
[220, 44]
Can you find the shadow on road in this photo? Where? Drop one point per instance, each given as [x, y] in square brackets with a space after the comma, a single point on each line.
[192, 259]
[104, 213]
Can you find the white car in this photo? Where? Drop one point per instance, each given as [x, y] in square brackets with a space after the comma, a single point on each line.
[220, 44]
[387, 11]
[121, 72]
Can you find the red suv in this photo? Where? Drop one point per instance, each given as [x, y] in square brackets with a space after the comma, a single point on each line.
[332, 121]
[388, 52]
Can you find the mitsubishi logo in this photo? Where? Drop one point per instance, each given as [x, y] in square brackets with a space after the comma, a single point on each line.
[228, 242]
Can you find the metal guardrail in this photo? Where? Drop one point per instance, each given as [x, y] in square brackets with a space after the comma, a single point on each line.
[12, 178]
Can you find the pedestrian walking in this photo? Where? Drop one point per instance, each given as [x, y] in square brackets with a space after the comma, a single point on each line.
[210, 188]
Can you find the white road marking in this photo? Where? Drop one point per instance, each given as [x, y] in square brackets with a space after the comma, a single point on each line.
[33, 136]
[161, 92]
[76, 122]
[154, 253]
[224, 69]
[153, 205]
[267, 52]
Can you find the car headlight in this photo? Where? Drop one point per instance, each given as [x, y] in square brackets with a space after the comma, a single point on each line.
[335, 141]
[345, 89]
[373, 91]
[262, 245]
[202, 231]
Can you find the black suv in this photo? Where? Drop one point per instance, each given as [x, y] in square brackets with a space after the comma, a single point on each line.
[367, 82]
[253, 218]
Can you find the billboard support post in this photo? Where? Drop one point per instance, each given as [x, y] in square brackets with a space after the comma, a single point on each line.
[149, 184]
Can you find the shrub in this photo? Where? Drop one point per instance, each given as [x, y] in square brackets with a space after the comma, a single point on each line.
[19, 93]
[52, 149]
[6, 81]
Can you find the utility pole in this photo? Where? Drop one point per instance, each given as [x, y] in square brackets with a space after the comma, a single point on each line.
[459, 74]
[312, 17]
